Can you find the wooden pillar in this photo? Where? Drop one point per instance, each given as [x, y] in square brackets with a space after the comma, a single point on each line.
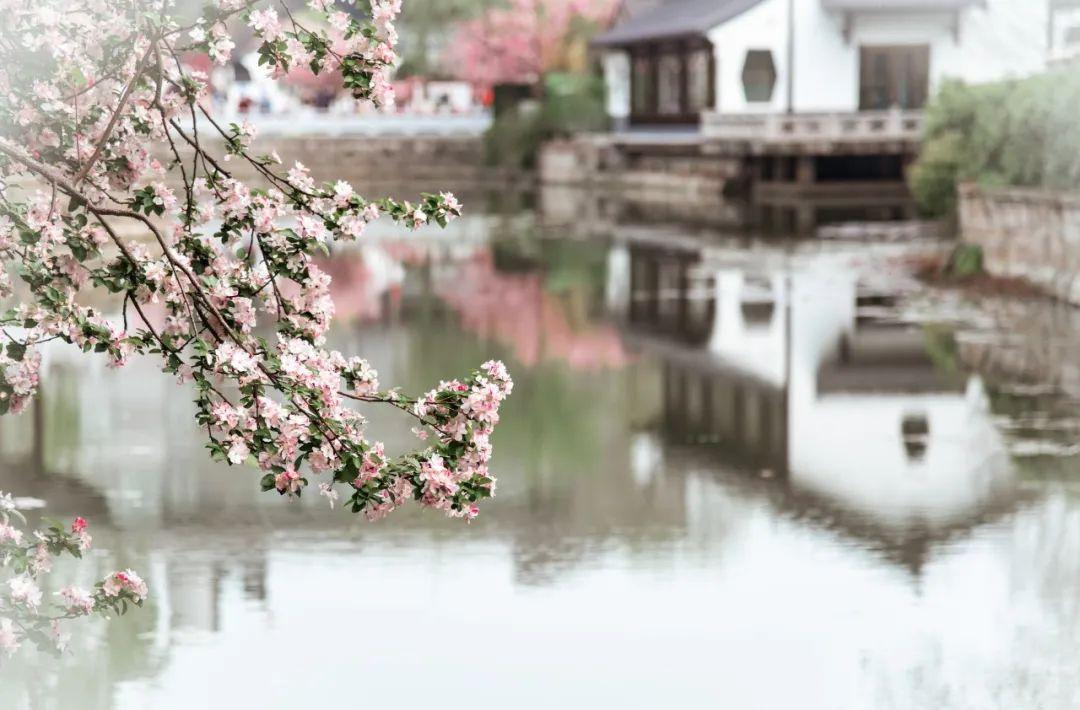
[684, 296]
[805, 219]
[652, 289]
[779, 172]
[805, 170]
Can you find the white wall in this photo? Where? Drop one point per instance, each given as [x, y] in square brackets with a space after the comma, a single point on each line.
[757, 350]
[826, 67]
[761, 27]
[1063, 21]
[617, 82]
[1003, 39]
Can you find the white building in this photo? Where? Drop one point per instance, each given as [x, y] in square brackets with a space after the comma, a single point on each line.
[1064, 32]
[670, 64]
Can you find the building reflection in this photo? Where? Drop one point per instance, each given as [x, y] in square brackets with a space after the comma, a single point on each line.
[788, 371]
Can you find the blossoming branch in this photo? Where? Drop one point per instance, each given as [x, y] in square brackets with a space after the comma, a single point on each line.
[27, 614]
[92, 90]
[223, 286]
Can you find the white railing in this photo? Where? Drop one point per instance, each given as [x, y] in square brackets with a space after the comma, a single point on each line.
[841, 127]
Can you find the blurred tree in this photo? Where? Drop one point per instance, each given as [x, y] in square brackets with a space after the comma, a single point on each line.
[423, 25]
[1017, 133]
[521, 40]
[571, 103]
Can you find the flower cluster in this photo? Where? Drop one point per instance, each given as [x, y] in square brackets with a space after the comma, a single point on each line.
[25, 558]
[362, 51]
[102, 124]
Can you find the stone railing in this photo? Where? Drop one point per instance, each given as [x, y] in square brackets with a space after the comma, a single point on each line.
[1026, 233]
[895, 125]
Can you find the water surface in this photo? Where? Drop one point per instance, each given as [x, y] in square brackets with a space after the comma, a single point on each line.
[734, 473]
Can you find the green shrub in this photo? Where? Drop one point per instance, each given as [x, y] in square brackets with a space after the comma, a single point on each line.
[572, 103]
[1018, 132]
[514, 138]
[933, 177]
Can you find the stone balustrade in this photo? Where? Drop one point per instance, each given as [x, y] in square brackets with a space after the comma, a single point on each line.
[815, 128]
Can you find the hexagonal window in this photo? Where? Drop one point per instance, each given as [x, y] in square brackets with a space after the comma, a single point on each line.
[759, 75]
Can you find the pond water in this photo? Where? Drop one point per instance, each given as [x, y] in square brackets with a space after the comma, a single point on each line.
[734, 473]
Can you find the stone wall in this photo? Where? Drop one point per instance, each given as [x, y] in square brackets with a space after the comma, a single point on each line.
[372, 163]
[675, 171]
[1027, 233]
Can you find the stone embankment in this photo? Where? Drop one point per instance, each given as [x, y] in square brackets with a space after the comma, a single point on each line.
[664, 168]
[372, 163]
[1026, 233]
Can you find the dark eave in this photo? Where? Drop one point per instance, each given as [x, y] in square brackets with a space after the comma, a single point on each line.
[674, 19]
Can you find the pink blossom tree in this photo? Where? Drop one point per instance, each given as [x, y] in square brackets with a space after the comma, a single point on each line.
[520, 42]
[103, 135]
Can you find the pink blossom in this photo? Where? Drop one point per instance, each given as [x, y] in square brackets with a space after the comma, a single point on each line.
[238, 451]
[450, 202]
[125, 580]
[266, 24]
[418, 218]
[9, 533]
[77, 600]
[288, 482]
[164, 197]
[24, 590]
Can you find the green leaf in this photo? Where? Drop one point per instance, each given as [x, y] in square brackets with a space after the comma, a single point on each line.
[16, 351]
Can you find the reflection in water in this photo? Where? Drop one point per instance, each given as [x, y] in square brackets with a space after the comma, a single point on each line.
[774, 370]
[729, 477]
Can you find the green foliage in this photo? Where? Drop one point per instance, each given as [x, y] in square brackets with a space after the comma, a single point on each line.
[965, 260]
[572, 103]
[515, 137]
[942, 349]
[933, 178]
[146, 200]
[1018, 132]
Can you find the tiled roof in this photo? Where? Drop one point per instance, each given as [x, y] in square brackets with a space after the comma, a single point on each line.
[660, 19]
[676, 18]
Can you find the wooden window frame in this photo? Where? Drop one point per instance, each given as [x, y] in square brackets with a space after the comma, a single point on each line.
[651, 53]
[917, 59]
